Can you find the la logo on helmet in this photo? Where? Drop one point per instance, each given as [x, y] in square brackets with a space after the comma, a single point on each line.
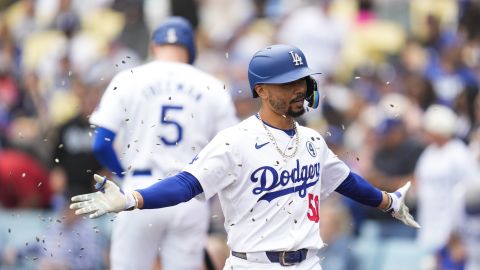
[297, 59]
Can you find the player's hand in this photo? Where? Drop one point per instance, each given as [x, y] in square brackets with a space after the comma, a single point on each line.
[399, 209]
[108, 198]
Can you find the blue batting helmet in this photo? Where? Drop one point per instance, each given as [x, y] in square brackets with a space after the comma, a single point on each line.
[176, 30]
[278, 64]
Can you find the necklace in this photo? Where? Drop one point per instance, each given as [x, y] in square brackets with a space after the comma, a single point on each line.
[272, 139]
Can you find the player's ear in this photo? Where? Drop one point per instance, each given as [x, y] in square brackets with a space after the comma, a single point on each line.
[150, 48]
[153, 48]
[261, 91]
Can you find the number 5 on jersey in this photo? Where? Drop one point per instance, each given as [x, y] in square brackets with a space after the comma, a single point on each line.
[313, 204]
[167, 121]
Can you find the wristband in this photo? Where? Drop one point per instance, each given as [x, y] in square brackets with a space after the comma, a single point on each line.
[132, 201]
[390, 202]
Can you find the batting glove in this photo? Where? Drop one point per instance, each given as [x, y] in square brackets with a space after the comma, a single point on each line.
[398, 208]
[108, 198]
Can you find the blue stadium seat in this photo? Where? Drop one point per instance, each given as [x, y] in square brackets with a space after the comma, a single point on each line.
[400, 254]
[367, 246]
[21, 228]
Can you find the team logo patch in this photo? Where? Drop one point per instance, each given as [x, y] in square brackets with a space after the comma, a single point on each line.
[273, 184]
[296, 59]
[172, 35]
[311, 149]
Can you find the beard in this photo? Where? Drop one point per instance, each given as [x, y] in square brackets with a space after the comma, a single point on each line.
[295, 114]
[286, 108]
[281, 107]
[299, 112]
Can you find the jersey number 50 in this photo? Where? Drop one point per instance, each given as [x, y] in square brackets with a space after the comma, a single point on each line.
[165, 120]
[313, 203]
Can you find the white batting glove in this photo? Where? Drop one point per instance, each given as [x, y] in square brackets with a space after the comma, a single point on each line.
[108, 198]
[398, 208]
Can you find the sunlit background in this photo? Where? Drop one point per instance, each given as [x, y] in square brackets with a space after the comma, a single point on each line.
[384, 64]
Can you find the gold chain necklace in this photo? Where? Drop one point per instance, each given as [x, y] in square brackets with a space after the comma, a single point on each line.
[272, 139]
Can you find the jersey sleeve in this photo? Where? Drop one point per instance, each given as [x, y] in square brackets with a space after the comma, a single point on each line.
[465, 166]
[111, 110]
[334, 172]
[214, 166]
[458, 205]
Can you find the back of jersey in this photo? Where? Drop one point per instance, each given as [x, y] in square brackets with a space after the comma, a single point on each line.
[164, 113]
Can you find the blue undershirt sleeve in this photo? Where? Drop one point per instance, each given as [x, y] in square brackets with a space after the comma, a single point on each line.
[104, 152]
[171, 191]
[359, 190]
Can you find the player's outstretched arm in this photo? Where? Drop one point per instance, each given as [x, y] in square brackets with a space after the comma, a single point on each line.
[360, 190]
[108, 198]
[395, 203]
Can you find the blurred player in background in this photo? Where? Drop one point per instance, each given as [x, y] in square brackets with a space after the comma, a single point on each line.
[268, 171]
[164, 113]
[467, 222]
[445, 164]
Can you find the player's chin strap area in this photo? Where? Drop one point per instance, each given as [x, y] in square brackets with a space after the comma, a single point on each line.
[284, 258]
[312, 96]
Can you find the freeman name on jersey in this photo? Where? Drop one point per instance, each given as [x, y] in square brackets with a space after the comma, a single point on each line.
[170, 87]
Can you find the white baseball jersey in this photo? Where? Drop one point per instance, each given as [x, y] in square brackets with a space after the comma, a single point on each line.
[270, 202]
[166, 112]
[439, 170]
[467, 224]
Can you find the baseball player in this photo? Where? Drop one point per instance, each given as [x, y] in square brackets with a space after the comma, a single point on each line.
[163, 112]
[269, 172]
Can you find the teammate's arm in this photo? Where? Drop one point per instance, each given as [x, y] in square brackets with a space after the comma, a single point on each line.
[103, 150]
[358, 189]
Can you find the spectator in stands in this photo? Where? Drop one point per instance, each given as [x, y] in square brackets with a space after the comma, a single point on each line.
[396, 156]
[394, 161]
[73, 159]
[23, 181]
[322, 48]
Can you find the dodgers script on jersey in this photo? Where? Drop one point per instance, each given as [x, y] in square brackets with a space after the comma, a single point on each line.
[149, 133]
[243, 166]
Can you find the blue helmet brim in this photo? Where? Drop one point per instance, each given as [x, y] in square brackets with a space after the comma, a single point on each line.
[291, 76]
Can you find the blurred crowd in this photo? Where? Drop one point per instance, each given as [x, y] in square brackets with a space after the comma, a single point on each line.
[399, 90]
